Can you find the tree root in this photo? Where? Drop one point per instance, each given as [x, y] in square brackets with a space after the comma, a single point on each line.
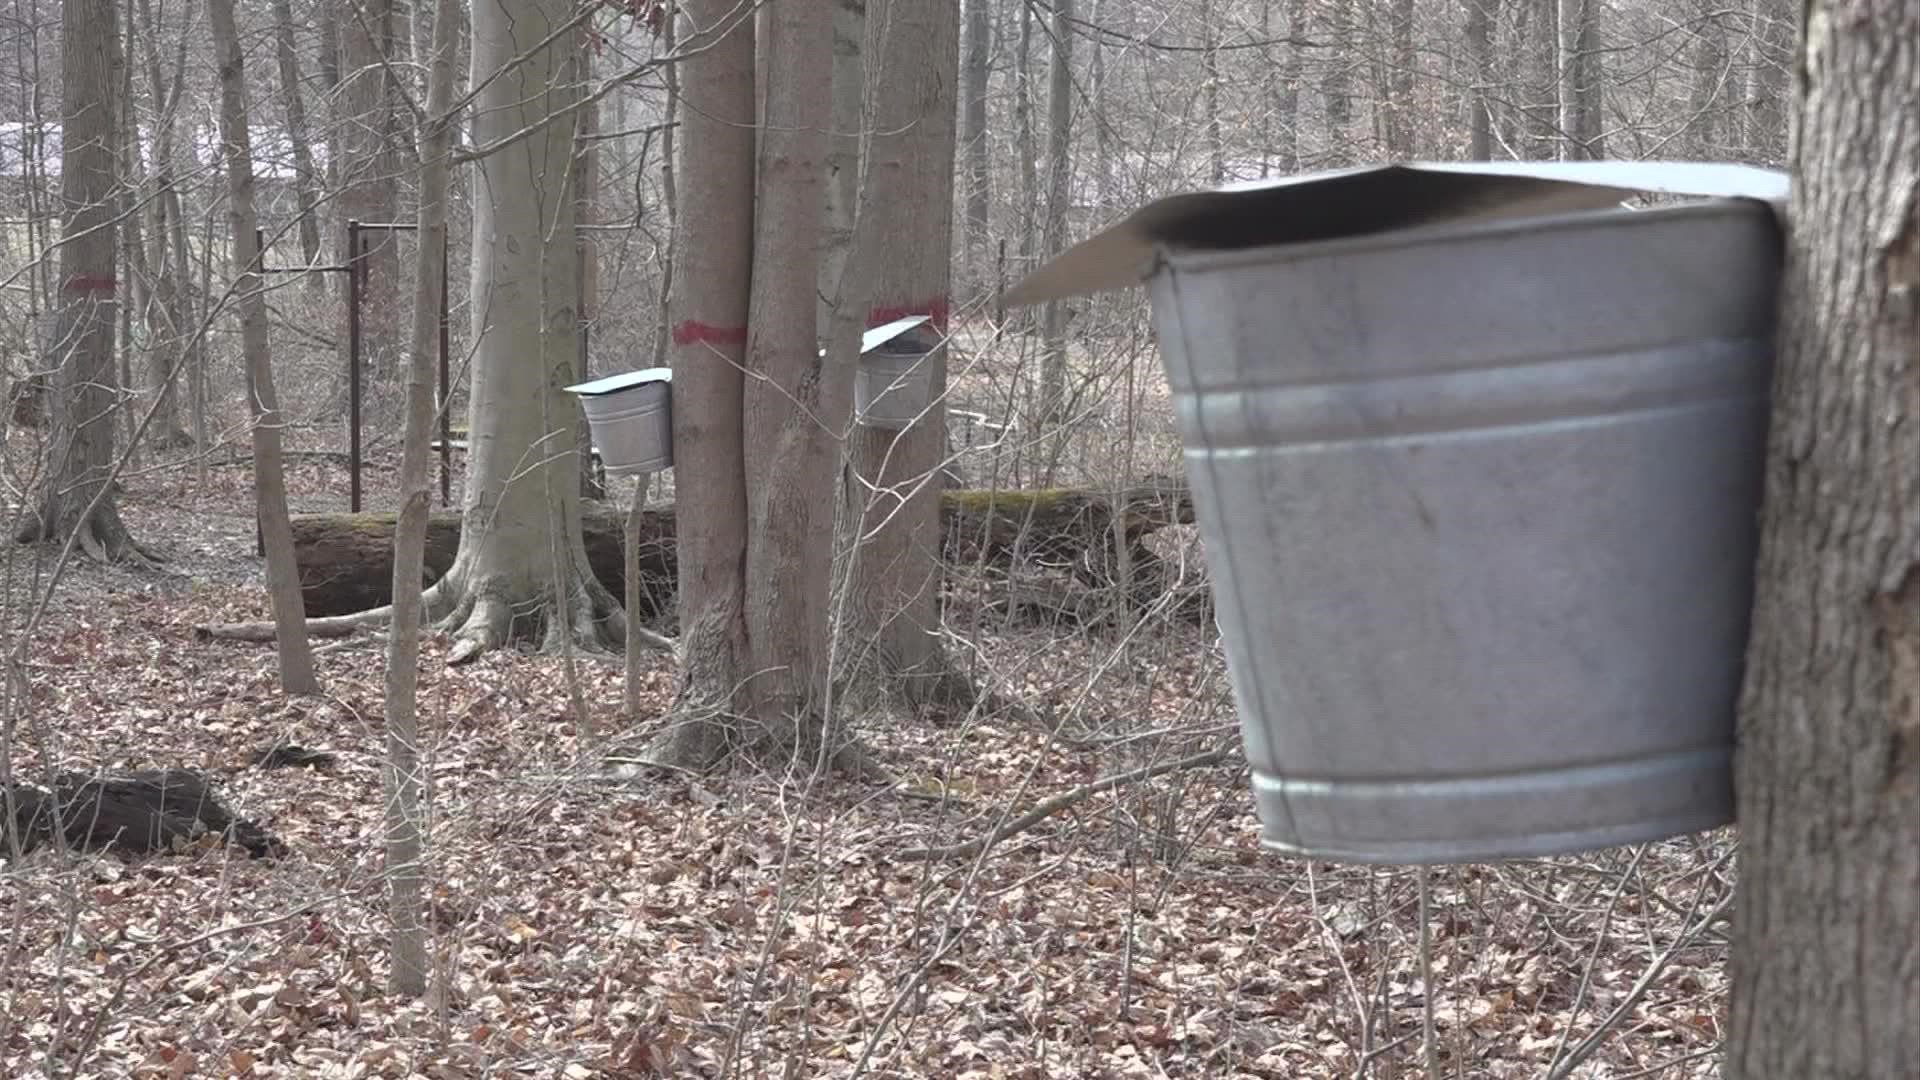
[102, 536]
[1049, 807]
[333, 626]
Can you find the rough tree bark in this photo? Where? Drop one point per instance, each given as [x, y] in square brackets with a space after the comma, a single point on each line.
[74, 498]
[269, 481]
[707, 316]
[796, 401]
[843, 153]
[521, 570]
[1826, 966]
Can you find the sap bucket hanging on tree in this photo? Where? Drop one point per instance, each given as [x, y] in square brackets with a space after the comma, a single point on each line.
[631, 417]
[1476, 455]
[894, 383]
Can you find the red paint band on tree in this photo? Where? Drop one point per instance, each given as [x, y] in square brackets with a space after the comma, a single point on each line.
[692, 332]
[936, 310]
[91, 283]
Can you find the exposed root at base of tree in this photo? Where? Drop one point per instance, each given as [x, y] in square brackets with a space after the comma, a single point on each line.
[1049, 807]
[102, 536]
[479, 620]
[700, 741]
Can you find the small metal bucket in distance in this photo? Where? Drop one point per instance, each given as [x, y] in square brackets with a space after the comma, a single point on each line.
[631, 417]
[1480, 502]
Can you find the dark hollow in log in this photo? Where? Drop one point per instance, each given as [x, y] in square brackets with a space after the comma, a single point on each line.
[346, 560]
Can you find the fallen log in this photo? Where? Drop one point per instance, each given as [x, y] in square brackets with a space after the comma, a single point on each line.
[346, 560]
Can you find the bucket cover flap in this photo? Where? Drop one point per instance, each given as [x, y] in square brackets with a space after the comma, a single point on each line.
[882, 334]
[625, 380]
[1372, 199]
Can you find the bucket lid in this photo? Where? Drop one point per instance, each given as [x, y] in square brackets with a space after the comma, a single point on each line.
[626, 380]
[880, 335]
[1342, 203]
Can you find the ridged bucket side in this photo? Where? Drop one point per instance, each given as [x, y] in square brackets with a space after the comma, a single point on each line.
[633, 429]
[1480, 509]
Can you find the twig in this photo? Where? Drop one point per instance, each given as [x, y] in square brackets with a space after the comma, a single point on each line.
[1599, 1034]
[1047, 808]
[1426, 977]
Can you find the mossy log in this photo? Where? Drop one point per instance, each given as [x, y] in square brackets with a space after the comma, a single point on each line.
[346, 560]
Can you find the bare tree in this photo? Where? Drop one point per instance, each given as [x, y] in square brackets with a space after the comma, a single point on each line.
[1771, 44]
[306, 179]
[974, 126]
[708, 327]
[368, 159]
[521, 567]
[1480, 66]
[406, 878]
[1053, 362]
[1829, 765]
[269, 480]
[893, 482]
[75, 497]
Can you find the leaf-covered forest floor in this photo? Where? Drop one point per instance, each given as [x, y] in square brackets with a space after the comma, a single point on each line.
[740, 925]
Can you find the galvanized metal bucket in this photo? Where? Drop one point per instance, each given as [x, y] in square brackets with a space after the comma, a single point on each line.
[1479, 501]
[893, 384]
[631, 417]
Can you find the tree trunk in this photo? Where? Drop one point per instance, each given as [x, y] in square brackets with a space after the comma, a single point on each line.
[708, 319]
[1337, 87]
[1590, 86]
[669, 183]
[1772, 45]
[796, 401]
[75, 498]
[170, 313]
[370, 169]
[269, 481]
[1025, 152]
[306, 182]
[974, 131]
[1400, 83]
[1210, 87]
[1709, 70]
[586, 198]
[1479, 103]
[405, 841]
[893, 488]
[521, 568]
[1825, 973]
[1053, 319]
[843, 156]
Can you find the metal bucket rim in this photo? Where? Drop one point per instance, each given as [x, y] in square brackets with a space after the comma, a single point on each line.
[1190, 260]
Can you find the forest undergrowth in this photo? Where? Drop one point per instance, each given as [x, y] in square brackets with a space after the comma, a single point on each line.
[734, 925]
